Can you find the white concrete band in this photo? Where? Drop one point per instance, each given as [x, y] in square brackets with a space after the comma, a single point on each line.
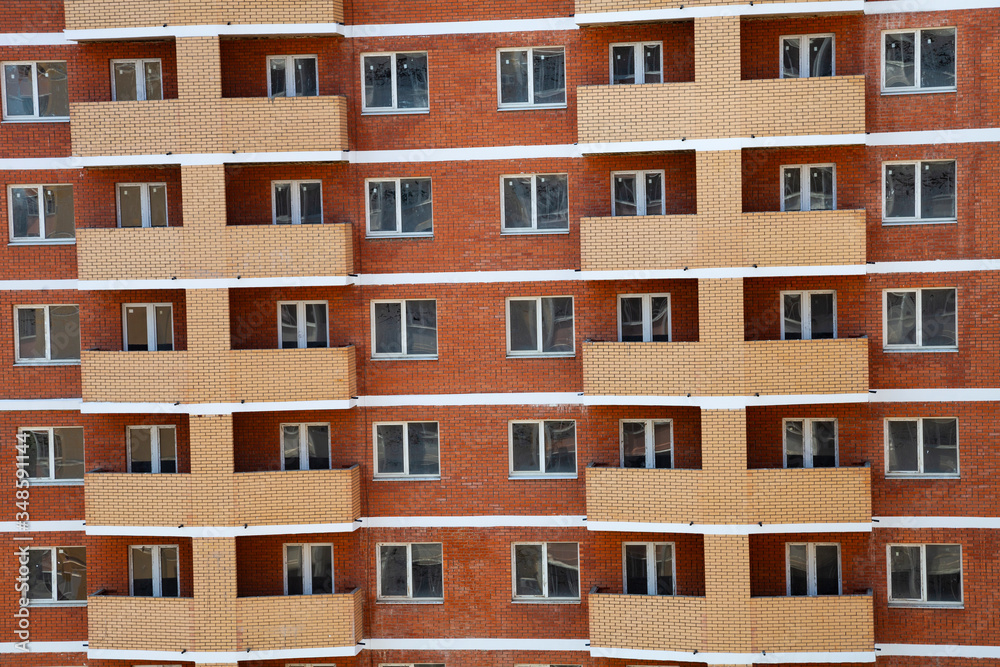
[41, 527]
[225, 656]
[938, 522]
[727, 529]
[940, 650]
[733, 658]
[44, 647]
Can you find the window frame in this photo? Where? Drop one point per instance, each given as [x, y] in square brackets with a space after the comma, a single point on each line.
[300, 323]
[304, 444]
[651, 568]
[140, 81]
[504, 229]
[369, 233]
[917, 195]
[647, 315]
[146, 209]
[403, 355]
[394, 109]
[811, 571]
[807, 453]
[518, 354]
[805, 199]
[52, 480]
[157, 574]
[804, 62]
[47, 361]
[306, 567]
[545, 598]
[917, 89]
[408, 598]
[806, 310]
[923, 601]
[650, 449]
[919, 472]
[35, 118]
[150, 326]
[41, 239]
[156, 455]
[640, 190]
[55, 601]
[541, 474]
[406, 474]
[917, 346]
[290, 74]
[519, 106]
[295, 202]
[638, 61]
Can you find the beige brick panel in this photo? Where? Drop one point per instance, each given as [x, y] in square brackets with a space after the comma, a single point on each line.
[199, 71]
[299, 621]
[104, 14]
[155, 624]
[822, 623]
[302, 496]
[214, 566]
[720, 311]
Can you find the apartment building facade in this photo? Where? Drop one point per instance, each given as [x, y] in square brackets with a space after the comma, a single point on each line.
[440, 333]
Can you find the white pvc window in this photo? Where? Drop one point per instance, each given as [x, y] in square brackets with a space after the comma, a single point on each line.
[925, 447]
[808, 187]
[148, 327]
[804, 56]
[152, 449]
[925, 574]
[56, 575]
[647, 443]
[41, 213]
[136, 80]
[411, 572]
[921, 191]
[546, 570]
[540, 326]
[308, 569]
[303, 324]
[810, 443]
[648, 568]
[400, 207]
[35, 91]
[637, 193]
[543, 448]
[532, 203]
[405, 328]
[394, 83]
[812, 569]
[292, 76]
[53, 454]
[305, 446]
[154, 571]
[918, 61]
[142, 204]
[297, 202]
[636, 62]
[808, 315]
[47, 334]
[531, 78]
[920, 319]
[644, 318]
[406, 449]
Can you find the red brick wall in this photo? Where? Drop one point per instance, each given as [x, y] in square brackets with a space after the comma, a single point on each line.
[762, 188]
[765, 446]
[34, 16]
[760, 43]
[762, 304]
[107, 562]
[768, 561]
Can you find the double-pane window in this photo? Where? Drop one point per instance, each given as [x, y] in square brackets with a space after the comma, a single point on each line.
[922, 191]
[395, 82]
[806, 56]
[297, 202]
[918, 60]
[813, 569]
[647, 443]
[927, 446]
[547, 570]
[644, 318]
[53, 454]
[303, 324]
[35, 91]
[142, 204]
[152, 449]
[532, 78]
[649, 568]
[148, 326]
[41, 213]
[292, 76]
[407, 449]
[808, 187]
[56, 574]
[810, 443]
[154, 571]
[305, 447]
[808, 315]
[308, 569]
[637, 193]
[47, 334]
[922, 318]
[640, 62]
[410, 571]
[540, 326]
[404, 328]
[535, 203]
[543, 448]
[400, 206]
[136, 80]
[929, 574]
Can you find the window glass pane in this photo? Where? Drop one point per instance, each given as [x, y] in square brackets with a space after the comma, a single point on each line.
[24, 213]
[636, 570]
[154, 81]
[821, 315]
[794, 452]
[382, 206]
[168, 449]
[827, 569]
[40, 574]
[169, 576]
[937, 190]
[316, 327]
[388, 328]
[523, 325]
[416, 205]
[821, 188]
[626, 200]
[630, 319]
[937, 58]
[824, 444]
[900, 197]
[38, 454]
[283, 203]
[798, 572]
[65, 328]
[392, 570]
[157, 206]
[290, 446]
[901, 318]
[389, 448]
[277, 66]
[564, 570]
[792, 314]
[651, 63]
[428, 577]
[140, 450]
[902, 446]
[552, 201]
[557, 324]
[654, 193]
[528, 569]
[142, 571]
[59, 220]
[821, 56]
[378, 82]
[293, 568]
[792, 188]
[305, 77]
[126, 85]
[136, 329]
[623, 64]
[516, 202]
[937, 311]
[899, 62]
[319, 447]
[421, 327]
[940, 446]
[790, 57]
[422, 442]
[411, 81]
[71, 573]
[322, 570]
[53, 90]
[67, 453]
[289, 325]
[664, 569]
[31, 333]
[524, 447]
[130, 205]
[164, 316]
[944, 573]
[662, 444]
[660, 318]
[560, 446]
[513, 77]
[634, 444]
[18, 89]
[311, 203]
[550, 76]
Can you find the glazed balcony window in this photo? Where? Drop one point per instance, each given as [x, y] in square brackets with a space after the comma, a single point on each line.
[407, 449]
[918, 61]
[644, 317]
[136, 80]
[808, 187]
[925, 575]
[543, 449]
[56, 575]
[297, 202]
[41, 214]
[394, 83]
[47, 335]
[540, 326]
[534, 203]
[53, 455]
[638, 62]
[920, 319]
[400, 207]
[926, 447]
[810, 443]
[404, 329]
[915, 192]
[35, 91]
[546, 571]
[531, 78]
[647, 443]
[153, 571]
[292, 76]
[637, 193]
[308, 569]
[305, 446]
[303, 324]
[808, 315]
[648, 568]
[812, 569]
[148, 327]
[142, 204]
[804, 56]
[410, 572]
[152, 449]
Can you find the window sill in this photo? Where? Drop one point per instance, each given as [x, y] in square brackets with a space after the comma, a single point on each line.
[32, 483]
[38, 604]
[408, 478]
[36, 120]
[543, 601]
[926, 605]
[542, 477]
[405, 357]
[532, 107]
[535, 355]
[34, 242]
[529, 232]
[918, 91]
[434, 601]
[896, 350]
[935, 221]
[394, 112]
[75, 362]
[919, 476]
[422, 235]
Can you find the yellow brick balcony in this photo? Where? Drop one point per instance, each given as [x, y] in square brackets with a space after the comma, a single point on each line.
[719, 496]
[584, 7]
[209, 125]
[109, 14]
[820, 623]
[157, 624]
[298, 496]
[301, 621]
[724, 368]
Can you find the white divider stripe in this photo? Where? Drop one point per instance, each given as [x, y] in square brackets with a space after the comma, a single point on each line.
[734, 658]
[727, 529]
[940, 650]
[938, 522]
[42, 527]
[225, 656]
[45, 647]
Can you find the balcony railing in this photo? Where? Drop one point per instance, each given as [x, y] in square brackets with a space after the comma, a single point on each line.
[111, 14]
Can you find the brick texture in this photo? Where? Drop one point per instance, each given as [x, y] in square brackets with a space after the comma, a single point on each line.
[104, 14]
